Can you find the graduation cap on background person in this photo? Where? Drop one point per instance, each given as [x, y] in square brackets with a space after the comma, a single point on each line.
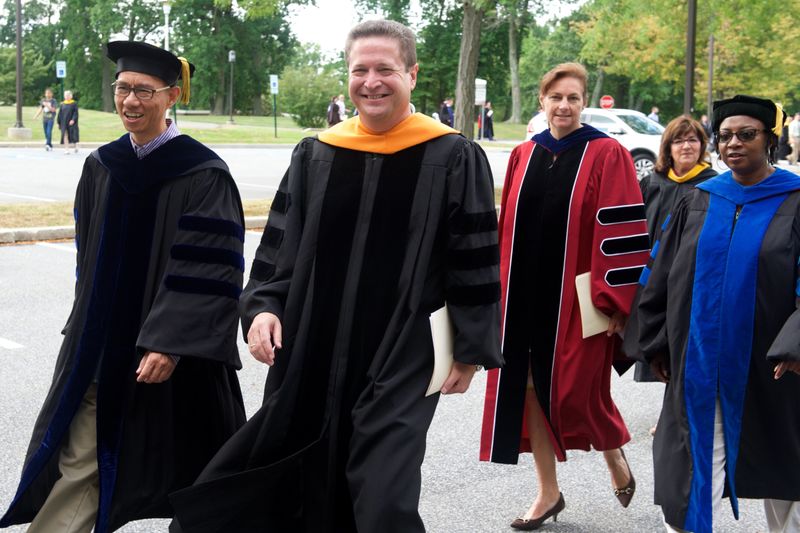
[135, 56]
[771, 114]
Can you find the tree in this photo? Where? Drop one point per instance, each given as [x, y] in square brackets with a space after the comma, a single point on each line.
[474, 11]
[438, 45]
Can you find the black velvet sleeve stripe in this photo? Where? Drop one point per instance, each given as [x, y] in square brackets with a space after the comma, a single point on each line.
[272, 236]
[467, 223]
[261, 270]
[194, 285]
[205, 254]
[624, 276]
[280, 204]
[211, 225]
[621, 214]
[485, 294]
[626, 245]
[473, 258]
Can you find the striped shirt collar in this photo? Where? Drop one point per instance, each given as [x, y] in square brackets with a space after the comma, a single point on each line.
[170, 133]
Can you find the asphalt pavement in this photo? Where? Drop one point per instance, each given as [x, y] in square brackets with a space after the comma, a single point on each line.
[459, 494]
[30, 174]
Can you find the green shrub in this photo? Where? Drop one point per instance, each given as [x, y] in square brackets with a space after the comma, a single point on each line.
[305, 94]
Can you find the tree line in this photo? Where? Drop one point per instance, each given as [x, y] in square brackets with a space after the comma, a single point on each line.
[633, 49]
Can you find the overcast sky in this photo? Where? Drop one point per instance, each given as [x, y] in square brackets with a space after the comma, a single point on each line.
[327, 23]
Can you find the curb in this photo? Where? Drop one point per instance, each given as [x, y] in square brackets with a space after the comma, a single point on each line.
[54, 233]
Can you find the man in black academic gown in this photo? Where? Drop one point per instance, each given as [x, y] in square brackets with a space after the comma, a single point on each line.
[378, 222]
[145, 388]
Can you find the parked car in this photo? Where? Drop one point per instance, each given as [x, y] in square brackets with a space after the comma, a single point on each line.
[640, 135]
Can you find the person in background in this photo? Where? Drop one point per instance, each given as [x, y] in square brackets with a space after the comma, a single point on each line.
[446, 112]
[571, 206]
[794, 139]
[719, 323]
[68, 122]
[47, 108]
[333, 112]
[488, 126]
[654, 114]
[342, 108]
[682, 164]
[144, 390]
[708, 131]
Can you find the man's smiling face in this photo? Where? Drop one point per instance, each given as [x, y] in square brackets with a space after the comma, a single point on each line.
[380, 84]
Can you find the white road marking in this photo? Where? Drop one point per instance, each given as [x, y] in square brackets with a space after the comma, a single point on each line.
[26, 197]
[257, 186]
[9, 345]
[60, 247]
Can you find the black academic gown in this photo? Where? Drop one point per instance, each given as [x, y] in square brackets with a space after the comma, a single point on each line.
[722, 291]
[70, 134]
[360, 248]
[159, 268]
[661, 195]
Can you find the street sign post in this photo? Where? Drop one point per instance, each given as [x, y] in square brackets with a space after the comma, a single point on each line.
[231, 60]
[606, 101]
[480, 99]
[61, 73]
[273, 88]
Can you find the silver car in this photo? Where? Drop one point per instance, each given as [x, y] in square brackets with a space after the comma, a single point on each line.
[640, 135]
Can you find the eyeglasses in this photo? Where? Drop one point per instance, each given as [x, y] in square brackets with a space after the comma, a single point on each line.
[142, 93]
[746, 135]
[690, 140]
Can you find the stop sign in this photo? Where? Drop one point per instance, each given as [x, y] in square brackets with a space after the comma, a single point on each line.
[606, 101]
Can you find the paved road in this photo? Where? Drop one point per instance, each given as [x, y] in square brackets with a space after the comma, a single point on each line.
[459, 495]
[34, 175]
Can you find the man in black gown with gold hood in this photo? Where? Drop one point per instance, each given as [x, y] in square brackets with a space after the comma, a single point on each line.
[145, 388]
[378, 222]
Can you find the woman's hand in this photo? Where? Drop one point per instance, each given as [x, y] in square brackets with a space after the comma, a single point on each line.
[616, 323]
[786, 366]
[660, 367]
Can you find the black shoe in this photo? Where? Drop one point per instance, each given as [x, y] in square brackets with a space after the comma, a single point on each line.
[625, 494]
[536, 523]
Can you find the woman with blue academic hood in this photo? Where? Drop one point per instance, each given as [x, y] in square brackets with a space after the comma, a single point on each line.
[719, 323]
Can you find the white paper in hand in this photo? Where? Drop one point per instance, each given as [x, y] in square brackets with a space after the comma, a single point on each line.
[442, 334]
[592, 320]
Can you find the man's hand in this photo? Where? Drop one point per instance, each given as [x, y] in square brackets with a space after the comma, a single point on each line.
[616, 323]
[264, 337]
[660, 368]
[786, 366]
[459, 379]
[155, 368]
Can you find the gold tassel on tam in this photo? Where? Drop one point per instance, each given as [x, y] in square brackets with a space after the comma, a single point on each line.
[777, 129]
[186, 77]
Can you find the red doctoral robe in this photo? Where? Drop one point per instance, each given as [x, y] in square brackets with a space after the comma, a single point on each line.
[561, 217]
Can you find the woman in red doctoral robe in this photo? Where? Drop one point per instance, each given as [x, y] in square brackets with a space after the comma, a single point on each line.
[571, 205]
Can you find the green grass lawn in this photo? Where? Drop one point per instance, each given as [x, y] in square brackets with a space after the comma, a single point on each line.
[97, 126]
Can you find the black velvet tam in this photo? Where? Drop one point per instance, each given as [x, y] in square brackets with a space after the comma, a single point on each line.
[760, 108]
[145, 58]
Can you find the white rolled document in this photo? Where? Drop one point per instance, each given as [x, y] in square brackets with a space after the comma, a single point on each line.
[593, 321]
[442, 334]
